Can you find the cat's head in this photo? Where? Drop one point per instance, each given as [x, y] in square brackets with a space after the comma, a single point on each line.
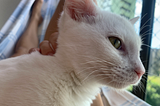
[99, 45]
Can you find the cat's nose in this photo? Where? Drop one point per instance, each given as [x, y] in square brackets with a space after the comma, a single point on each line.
[139, 72]
[139, 68]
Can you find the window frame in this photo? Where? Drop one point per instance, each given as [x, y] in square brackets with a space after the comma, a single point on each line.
[147, 19]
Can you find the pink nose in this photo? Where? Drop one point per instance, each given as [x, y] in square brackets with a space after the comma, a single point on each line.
[139, 72]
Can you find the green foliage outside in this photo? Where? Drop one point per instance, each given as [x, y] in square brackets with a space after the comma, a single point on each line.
[153, 90]
[130, 88]
[153, 83]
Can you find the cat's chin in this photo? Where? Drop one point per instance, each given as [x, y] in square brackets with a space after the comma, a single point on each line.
[136, 82]
[123, 85]
[117, 84]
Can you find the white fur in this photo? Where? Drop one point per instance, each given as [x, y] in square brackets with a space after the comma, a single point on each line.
[36, 80]
[85, 61]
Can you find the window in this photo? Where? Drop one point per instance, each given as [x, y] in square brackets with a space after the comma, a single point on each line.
[153, 83]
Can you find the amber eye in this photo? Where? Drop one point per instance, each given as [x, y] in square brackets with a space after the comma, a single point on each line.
[115, 42]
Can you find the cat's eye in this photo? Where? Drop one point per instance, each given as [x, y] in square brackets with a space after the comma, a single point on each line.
[116, 42]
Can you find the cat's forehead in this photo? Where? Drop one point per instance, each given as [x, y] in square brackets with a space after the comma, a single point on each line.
[120, 27]
[115, 23]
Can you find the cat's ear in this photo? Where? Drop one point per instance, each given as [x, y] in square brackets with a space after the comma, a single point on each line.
[134, 20]
[78, 9]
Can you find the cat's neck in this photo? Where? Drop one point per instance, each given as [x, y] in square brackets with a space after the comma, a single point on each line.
[74, 88]
[67, 85]
[79, 94]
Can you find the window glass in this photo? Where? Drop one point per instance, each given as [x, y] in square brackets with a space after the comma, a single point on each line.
[126, 8]
[153, 83]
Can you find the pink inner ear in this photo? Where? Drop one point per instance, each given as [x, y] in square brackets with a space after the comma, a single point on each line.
[80, 8]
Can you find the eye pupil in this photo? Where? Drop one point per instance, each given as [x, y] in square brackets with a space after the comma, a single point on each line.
[115, 42]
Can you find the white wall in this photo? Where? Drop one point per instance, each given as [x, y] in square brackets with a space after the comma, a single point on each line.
[6, 9]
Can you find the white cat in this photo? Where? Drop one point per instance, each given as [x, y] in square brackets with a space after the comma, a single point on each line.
[95, 48]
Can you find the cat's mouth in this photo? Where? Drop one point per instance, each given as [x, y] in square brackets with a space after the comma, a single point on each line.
[135, 82]
[125, 80]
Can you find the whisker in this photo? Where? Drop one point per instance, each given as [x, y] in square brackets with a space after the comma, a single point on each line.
[146, 22]
[100, 76]
[98, 60]
[146, 45]
[102, 61]
[144, 27]
[101, 67]
[145, 77]
[94, 75]
[141, 87]
[143, 35]
[91, 57]
[85, 70]
[104, 79]
[146, 32]
[145, 61]
[89, 75]
[144, 16]
[94, 61]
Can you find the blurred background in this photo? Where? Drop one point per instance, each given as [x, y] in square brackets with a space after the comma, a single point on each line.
[6, 9]
[130, 9]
